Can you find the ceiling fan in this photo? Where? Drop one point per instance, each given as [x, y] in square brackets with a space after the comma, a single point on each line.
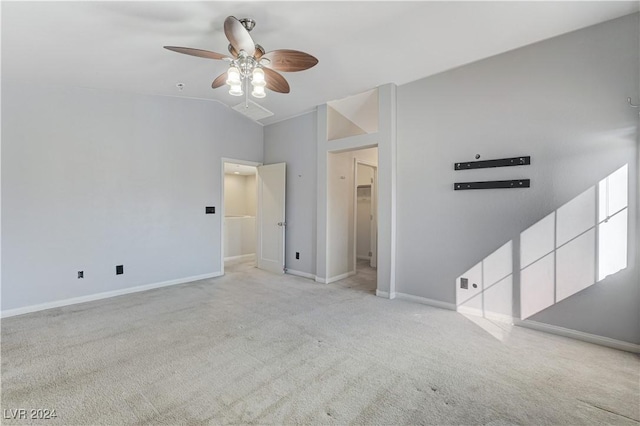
[249, 63]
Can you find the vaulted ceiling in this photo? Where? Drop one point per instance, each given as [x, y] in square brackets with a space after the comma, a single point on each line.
[360, 45]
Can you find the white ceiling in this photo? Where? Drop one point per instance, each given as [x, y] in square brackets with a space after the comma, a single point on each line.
[360, 45]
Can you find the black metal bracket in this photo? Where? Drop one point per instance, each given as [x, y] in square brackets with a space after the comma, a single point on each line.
[485, 164]
[518, 183]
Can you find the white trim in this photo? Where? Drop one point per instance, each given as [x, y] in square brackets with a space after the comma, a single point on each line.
[385, 294]
[579, 335]
[363, 257]
[104, 295]
[242, 256]
[340, 277]
[466, 310]
[334, 279]
[301, 274]
[552, 329]
[425, 301]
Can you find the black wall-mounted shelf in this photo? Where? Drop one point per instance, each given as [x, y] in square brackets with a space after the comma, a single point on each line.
[485, 164]
[495, 184]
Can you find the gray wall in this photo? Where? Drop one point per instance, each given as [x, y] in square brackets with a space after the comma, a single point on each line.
[561, 101]
[293, 141]
[93, 179]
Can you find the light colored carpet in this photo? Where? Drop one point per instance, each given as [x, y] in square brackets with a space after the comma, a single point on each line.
[364, 280]
[252, 347]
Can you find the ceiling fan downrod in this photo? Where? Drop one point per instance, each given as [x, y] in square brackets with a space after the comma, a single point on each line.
[247, 23]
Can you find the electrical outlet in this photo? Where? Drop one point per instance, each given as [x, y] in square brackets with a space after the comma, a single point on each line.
[119, 269]
[464, 283]
[80, 274]
[297, 255]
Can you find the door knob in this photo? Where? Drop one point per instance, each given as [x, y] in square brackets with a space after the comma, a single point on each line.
[282, 223]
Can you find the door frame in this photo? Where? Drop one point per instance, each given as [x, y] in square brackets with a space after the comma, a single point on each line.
[386, 141]
[374, 207]
[244, 163]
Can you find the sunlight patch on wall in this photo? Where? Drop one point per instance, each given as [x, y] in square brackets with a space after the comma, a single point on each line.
[537, 241]
[579, 244]
[537, 286]
[575, 265]
[493, 292]
[612, 223]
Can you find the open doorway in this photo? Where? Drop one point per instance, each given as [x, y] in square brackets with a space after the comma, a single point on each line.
[239, 209]
[366, 217]
[352, 218]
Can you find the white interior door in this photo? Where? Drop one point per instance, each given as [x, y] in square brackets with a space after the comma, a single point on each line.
[271, 217]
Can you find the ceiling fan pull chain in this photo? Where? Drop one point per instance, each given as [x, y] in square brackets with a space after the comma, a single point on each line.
[246, 92]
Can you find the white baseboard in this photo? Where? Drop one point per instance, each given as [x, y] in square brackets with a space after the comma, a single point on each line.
[104, 295]
[363, 257]
[339, 277]
[301, 274]
[385, 294]
[242, 256]
[579, 335]
[561, 331]
[426, 301]
[488, 315]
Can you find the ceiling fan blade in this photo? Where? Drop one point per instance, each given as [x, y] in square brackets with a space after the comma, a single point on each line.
[275, 81]
[289, 60]
[233, 51]
[259, 52]
[220, 80]
[197, 52]
[238, 36]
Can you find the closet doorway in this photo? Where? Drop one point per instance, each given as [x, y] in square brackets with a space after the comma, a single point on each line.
[352, 218]
[366, 218]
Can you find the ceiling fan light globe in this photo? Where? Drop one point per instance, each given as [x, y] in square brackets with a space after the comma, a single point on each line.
[233, 76]
[258, 92]
[258, 77]
[236, 90]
